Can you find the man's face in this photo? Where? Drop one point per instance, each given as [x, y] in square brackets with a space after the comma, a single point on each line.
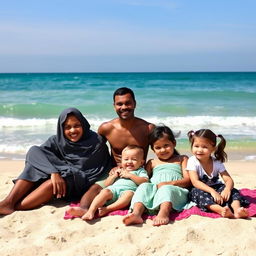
[124, 106]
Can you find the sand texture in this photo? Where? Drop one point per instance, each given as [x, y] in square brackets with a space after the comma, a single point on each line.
[43, 231]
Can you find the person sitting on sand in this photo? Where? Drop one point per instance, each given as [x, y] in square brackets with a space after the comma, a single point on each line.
[65, 166]
[125, 130]
[169, 181]
[121, 184]
[209, 193]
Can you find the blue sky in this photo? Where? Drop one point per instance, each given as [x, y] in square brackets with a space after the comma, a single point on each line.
[123, 35]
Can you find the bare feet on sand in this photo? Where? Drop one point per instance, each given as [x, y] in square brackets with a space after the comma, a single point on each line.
[77, 211]
[132, 219]
[88, 216]
[5, 208]
[227, 213]
[160, 220]
[103, 211]
[241, 213]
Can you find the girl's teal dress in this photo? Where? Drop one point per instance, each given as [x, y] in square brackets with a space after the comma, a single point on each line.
[152, 198]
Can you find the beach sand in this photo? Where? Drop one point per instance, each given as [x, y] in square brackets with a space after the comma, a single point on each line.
[43, 231]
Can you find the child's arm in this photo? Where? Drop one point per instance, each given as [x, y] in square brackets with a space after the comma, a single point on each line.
[149, 167]
[229, 184]
[113, 174]
[185, 181]
[202, 186]
[138, 180]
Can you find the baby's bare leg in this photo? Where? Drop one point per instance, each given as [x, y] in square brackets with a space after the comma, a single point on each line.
[120, 203]
[98, 201]
[85, 201]
[89, 195]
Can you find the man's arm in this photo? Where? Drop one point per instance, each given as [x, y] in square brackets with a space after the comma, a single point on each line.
[104, 129]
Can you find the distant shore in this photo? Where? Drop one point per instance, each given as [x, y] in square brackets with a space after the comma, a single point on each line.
[234, 153]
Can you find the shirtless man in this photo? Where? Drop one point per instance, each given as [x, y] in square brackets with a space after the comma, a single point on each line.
[126, 129]
[120, 132]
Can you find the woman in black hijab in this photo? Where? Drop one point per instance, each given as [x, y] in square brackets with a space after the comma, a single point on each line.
[65, 166]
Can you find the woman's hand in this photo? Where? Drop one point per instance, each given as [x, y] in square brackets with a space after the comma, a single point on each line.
[59, 185]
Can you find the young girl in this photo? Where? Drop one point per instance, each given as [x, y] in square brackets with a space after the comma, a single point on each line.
[169, 181]
[121, 184]
[64, 166]
[209, 193]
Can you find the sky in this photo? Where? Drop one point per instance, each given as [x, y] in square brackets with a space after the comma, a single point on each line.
[127, 35]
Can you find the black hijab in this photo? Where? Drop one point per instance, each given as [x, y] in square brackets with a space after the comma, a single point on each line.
[79, 163]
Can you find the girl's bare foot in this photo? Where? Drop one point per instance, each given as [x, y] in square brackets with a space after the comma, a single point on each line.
[132, 219]
[76, 211]
[241, 213]
[227, 213]
[160, 220]
[5, 208]
[103, 211]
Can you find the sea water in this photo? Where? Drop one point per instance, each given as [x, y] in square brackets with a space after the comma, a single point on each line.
[224, 102]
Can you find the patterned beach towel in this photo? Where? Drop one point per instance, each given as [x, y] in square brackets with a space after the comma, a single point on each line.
[249, 194]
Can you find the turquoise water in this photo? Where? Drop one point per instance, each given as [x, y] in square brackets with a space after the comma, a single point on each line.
[223, 102]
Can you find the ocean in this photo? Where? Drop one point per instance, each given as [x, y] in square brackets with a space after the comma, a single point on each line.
[222, 101]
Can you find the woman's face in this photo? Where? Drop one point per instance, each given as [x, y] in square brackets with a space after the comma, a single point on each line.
[73, 130]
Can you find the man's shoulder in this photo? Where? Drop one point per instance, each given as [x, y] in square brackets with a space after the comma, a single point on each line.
[110, 123]
[142, 122]
[107, 126]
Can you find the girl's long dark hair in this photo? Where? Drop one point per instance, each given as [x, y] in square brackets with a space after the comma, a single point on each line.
[158, 133]
[219, 153]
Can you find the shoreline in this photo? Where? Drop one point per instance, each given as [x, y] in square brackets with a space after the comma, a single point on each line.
[234, 154]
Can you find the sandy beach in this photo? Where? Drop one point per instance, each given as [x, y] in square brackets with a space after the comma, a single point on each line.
[43, 231]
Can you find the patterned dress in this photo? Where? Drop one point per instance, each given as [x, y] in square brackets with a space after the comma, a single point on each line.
[204, 199]
[152, 198]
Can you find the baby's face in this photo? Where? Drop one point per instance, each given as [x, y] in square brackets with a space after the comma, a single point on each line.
[132, 159]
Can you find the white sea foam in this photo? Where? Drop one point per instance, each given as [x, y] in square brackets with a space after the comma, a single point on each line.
[236, 125]
[17, 135]
[232, 125]
[7, 122]
[251, 157]
[219, 122]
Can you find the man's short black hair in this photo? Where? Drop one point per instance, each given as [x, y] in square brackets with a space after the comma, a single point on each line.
[123, 91]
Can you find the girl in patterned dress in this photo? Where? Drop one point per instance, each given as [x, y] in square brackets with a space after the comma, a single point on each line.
[209, 193]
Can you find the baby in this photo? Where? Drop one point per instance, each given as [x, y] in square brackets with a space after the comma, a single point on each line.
[121, 184]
